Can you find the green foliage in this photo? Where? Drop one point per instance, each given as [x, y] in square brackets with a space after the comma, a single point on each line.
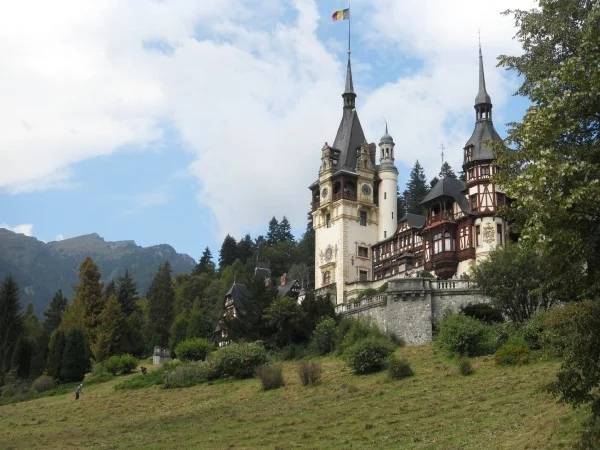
[121, 364]
[127, 294]
[109, 330]
[206, 264]
[369, 292]
[512, 355]
[317, 308]
[179, 332]
[56, 348]
[352, 331]
[11, 325]
[286, 320]
[43, 383]
[398, 368]
[425, 274]
[461, 335]
[161, 298]
[195, 349]
[512, 277]
[416, 190]
[75, 358]
[484, 312]
[270, 376]
[446, 171]
[187, 374]
[464, 366]
[89, 294]
[199, 324]
[324, 335]
[253, 326]
[53, 312]
[133, 340]
[309, 372]
[368, 355]
[237, 360]
[140, 381]
[228, 252]
[533, 329]
[382, 288]
[572, 331]
[292, 351]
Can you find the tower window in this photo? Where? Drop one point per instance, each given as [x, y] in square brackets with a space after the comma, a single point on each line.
[384, 234]
[499, 234]
[363, 218]
[328, 218]
[499, 200]
[473, 199]
[437, 243]
[384, 195]
[326, 278]
[363, 252]
[392, 214]
[477, 235]
[363, 275]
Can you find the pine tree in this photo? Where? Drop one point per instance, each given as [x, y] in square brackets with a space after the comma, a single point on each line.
[11, 325]
[110, 289]
[284, 232]
[400, 203]
[273, 232]
[245, 248]
[228, 252]
[127, 294]
[433, 182]
[446, 171]
[89, 293]
[34, 343]
[53, 313]
[206, 264]
[161, 301]
[55, 352]
[416, 190]
[110, 329]
[74, 362]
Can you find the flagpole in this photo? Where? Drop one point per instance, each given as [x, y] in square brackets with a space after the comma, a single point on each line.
[349, 20]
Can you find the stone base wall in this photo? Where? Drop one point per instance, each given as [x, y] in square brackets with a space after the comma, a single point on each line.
[411, 306]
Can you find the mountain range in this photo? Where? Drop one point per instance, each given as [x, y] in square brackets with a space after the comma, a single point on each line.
[42, 268]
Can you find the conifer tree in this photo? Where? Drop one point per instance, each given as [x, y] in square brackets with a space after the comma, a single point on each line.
[110, 329]
[110, 289]
[446, 171]
[74, 362]
[11, 325]
[400, 203]
[228, 252]
[55, 352]
[245, 248]
[273, 232]
[53, 313]
[284, 232]
[206, 264]
[161, 301]
[127, 294]
[89, 293]
[416, 190]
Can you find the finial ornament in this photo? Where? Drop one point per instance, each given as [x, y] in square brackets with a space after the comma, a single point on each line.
[443, 148]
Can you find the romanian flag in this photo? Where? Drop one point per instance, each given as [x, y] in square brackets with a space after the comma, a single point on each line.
[342, 14]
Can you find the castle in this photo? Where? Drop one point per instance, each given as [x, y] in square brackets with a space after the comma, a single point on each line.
[361, 243]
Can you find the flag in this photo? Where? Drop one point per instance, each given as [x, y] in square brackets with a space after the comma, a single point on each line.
[342, 14]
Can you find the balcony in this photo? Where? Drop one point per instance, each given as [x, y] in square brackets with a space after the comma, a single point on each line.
[444, 264]
[467, 253]
[345, 196]
[439, 218]
[315, 205]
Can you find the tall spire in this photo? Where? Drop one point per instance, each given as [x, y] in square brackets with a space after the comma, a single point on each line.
[349, 95]
[483, 102]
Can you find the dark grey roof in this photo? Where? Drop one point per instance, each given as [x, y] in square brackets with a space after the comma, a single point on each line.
[349, 88]
[262, 273]
[482, 95]
[414, 220]
[449, 187]
[284, 290]
[484, 131]
[386, 137]
[349, 137]
[238, 293]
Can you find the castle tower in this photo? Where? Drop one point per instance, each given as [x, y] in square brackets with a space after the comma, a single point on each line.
[484, 197]
[344, 204]
[388, 187]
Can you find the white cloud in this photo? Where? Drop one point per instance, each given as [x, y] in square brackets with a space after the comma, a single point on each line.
[59, 237]
[253, 95]
[24, 228]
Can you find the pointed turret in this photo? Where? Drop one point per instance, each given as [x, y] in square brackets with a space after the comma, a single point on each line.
[349, 95]
[482, 95]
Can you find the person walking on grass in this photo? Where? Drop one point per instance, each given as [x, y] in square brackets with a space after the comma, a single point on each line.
[78, 391]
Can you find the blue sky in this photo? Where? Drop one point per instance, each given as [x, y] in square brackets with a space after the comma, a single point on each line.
[181, 121]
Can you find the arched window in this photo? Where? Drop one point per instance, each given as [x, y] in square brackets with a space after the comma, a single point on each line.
[326, 278]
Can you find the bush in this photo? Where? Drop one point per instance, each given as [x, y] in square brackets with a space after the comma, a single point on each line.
[461, 335]
[140, 381]
[121, 364]
[196, 349]
[359, 330]
[324, 336]
[43, 383]
[187, 374]
[369, 355]
[271, 376]
[292, 351]
[464, 366]
[399, 368]
[396, 340]
[309, 372]
[382, 288]
[484, 312]
[533, 329]
[237, 360]
[512, 354]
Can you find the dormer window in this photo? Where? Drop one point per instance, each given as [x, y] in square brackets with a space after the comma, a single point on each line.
[469, 154]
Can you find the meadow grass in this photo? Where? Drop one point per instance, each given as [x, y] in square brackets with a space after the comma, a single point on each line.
[496, 407]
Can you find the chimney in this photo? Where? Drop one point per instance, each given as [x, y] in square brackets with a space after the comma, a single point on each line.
[283, 279]
[373, 152]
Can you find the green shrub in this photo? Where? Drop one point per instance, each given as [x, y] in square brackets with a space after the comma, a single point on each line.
[382, 288]
[461, 335]
[196, 349]
[396, 340]
[237, 360]
[360, 330]
[140, 381]
[512, 355]
[309, 372]
[120, 364]
[324, 335]
[43, 383]
[484, 312]
[369, 355]
[464, 366]
[533, 329]
[186, 374]
[291, 352]
[270, 376]
[399, 368]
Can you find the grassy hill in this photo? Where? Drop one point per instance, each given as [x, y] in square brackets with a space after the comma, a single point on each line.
[496, 407]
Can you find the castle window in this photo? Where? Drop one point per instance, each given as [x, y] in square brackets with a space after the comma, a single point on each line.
[363, 275]
[392, 214]
[326, 278]
[328, 218]
[473, 200]
[437, 243]
[469, 154]
[363, 252]
[499, 200]
[384, 234]
[448, 242]
[477, 235]
[363, 218]
[485, 171]
[499, 234]
[384, 195]
[471, 173]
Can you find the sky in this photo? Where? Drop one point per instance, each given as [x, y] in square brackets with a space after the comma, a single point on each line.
[180, 121]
